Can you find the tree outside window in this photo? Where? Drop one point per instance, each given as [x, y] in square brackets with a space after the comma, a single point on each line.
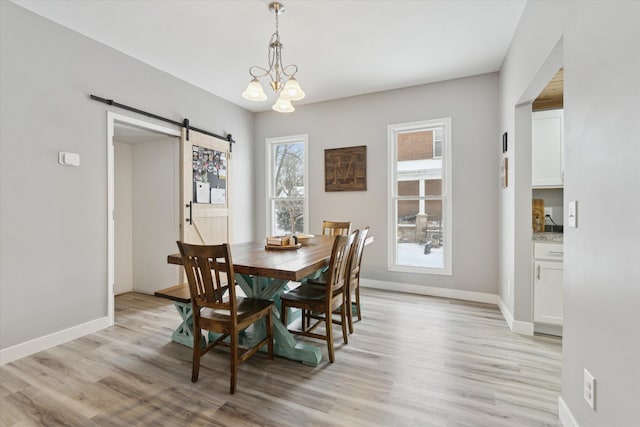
[287, 176]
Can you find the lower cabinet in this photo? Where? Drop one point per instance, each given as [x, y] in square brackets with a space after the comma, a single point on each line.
[547, 283]
[547, 292]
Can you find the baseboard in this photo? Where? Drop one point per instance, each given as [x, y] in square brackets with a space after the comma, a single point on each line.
[429, 290]
[24, 349]
[522, 328]
[516, 326]
[565, 415]
[508, 317]
[555, 330]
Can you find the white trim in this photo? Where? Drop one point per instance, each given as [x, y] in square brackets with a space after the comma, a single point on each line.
[430, 290]
[36, 345]
[269, 142]
[516, 326]
[508, 316]
[566, 417]
[522, 328]
[112, 118]
[447, 194]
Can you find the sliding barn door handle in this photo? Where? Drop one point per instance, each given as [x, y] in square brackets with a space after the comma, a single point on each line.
[190, 206]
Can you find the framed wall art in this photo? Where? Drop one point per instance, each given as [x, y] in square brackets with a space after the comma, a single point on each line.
[345, 169]
[504, 172]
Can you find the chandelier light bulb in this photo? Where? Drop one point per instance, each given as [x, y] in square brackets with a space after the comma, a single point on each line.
[292, 90]
[254, 91]
[283, 106]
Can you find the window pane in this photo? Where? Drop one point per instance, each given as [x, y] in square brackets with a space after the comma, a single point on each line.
[407, 211]
[428, 187]
[288, 170]
[433, 187]
[418, 172]
[437, 142]
[415, 145]
[420, 234]
[288, 216]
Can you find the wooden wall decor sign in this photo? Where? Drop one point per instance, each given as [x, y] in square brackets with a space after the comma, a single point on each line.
[504, 172]
[345, 169]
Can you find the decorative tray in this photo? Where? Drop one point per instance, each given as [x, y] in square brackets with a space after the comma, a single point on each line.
[283, 248]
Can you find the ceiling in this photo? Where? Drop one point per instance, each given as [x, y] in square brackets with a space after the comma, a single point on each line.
[342, 48]
[552, 96]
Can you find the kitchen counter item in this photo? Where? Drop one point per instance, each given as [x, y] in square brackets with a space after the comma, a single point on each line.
[537, 215]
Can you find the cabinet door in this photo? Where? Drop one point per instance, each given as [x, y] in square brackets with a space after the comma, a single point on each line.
[547, 151]
[547, 292]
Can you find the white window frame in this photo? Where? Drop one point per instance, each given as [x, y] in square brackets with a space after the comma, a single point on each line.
[269, 143]
[447, 195]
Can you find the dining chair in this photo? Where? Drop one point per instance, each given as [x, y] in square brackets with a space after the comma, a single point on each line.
[323, 300]
[216, 308]
[336, 228]
[353, 284]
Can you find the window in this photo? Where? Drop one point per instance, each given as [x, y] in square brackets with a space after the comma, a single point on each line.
[287, 201]
[437, 143]
[420, 196]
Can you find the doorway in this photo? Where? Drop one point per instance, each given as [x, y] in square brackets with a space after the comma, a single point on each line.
[523, 292]
[143, 206]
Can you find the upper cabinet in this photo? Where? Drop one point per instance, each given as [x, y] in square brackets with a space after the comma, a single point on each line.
[547, 149]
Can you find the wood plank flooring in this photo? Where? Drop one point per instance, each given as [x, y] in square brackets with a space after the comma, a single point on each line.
[412, 361]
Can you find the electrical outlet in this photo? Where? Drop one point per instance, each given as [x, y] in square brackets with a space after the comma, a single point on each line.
[589, 389]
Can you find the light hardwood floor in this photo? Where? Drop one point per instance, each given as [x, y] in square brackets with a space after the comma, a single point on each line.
[412, 361]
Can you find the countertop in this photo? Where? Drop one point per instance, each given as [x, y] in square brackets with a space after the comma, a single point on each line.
[547, 237]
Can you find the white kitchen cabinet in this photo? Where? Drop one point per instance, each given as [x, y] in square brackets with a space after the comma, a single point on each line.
[547, 283]
[547, 149]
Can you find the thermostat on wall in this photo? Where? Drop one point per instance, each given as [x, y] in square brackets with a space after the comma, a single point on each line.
[69, 159]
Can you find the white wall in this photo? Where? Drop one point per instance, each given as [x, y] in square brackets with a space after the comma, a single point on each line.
[156, 214]
[363, 120]
[47, 73]
[123, 218]
[602, 127]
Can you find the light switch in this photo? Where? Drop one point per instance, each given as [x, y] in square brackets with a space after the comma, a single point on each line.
[69, 159]
[572, 215]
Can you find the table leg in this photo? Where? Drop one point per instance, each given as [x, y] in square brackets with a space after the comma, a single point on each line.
[285, 344]
[184, 332]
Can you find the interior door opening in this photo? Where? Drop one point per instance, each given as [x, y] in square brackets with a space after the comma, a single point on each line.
[143, 206]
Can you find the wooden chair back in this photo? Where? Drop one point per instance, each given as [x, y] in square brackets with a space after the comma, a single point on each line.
[353, 285]
[338, 273]
[207, 268]
[356, 259]
[336, 228]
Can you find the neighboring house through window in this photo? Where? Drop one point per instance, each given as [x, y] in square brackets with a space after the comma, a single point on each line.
[420, 196]
[287, 200]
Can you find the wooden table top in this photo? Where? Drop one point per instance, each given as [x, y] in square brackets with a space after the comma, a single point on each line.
[294, 264]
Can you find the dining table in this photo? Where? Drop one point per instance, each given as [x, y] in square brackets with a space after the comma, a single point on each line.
[265, 273]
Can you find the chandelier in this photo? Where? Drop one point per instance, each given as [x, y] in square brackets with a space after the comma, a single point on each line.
[282, 77]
